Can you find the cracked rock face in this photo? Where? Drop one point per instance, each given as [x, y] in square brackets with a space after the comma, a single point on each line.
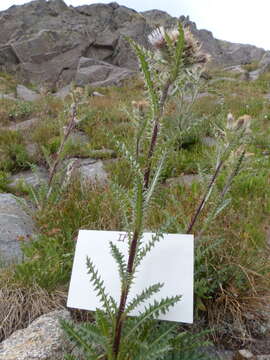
[15, 226]
[43, 41]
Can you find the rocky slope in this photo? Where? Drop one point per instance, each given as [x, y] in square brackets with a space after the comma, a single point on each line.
[43, 41]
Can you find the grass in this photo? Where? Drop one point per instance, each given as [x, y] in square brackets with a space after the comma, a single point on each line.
[232, 265]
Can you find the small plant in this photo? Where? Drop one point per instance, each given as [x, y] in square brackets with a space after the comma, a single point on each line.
[13, 154]
[4, 181]
[20, 110]
[53, 189]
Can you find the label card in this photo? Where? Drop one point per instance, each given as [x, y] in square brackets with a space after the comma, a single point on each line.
[170, 262]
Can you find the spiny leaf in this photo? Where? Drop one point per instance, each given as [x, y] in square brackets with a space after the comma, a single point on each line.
[141, 54]
[148, 247]
[153, 311]
[74, 335]
[107, 301]
[178, 52]
[120, 260]
[143, 296]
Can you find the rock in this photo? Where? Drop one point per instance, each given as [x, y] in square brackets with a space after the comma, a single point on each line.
[78, 137]
[89, 171]
[254, 75]
[103, 154]
[222, 79]
[63, 92]
[32, 178]
[43, 339]
[42, 41]
[15, 225]
[7, 96]
[209, 141]
[199, 96]
[24, 125]
[186, 180]
[214, 353]
[99, 73]
[267, 96]
[32, 150]
[96, 93]
[263, 357]
[244, 355]
[26, 94]
[264, 66]
[237, 69]
[93, 172]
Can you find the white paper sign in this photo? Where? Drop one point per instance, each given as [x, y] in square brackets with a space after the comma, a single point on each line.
[169, 262]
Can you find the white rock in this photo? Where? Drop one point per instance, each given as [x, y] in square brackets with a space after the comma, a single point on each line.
[42, 340]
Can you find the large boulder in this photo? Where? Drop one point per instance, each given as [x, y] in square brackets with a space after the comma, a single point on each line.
[88, 170]
[42, 340]
[43, 41]
[29, 178]
[23, 93]
[16, 226]
[99, 73]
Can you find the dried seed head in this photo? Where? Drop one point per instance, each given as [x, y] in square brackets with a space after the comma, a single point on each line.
[192, 54]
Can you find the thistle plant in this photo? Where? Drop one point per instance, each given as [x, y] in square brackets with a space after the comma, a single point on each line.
[52, 189]
[114, 335]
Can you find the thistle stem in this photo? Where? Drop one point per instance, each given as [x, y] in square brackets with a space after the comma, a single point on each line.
[155, 133]
[136, 234]
[124, 295]
[67, 133]
[203, 200]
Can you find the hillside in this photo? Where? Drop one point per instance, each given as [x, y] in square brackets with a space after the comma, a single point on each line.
[83, 154]
[43, 41]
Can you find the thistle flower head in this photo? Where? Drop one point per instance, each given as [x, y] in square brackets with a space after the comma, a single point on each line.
[192, 54]
[157, 38]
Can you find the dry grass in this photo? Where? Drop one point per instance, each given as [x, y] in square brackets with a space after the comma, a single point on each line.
[239, 321]
[20, 305]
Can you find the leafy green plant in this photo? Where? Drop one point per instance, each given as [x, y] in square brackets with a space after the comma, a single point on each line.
[4, 181]
[13, 154]
[20, 110]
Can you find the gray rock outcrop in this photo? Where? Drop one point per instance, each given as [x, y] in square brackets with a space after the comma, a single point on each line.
[43, 41]
[15, 225]
[100, 73]
[88, 170]
[263, 67]
[41, 340]
[23, 93]
[29, 178]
